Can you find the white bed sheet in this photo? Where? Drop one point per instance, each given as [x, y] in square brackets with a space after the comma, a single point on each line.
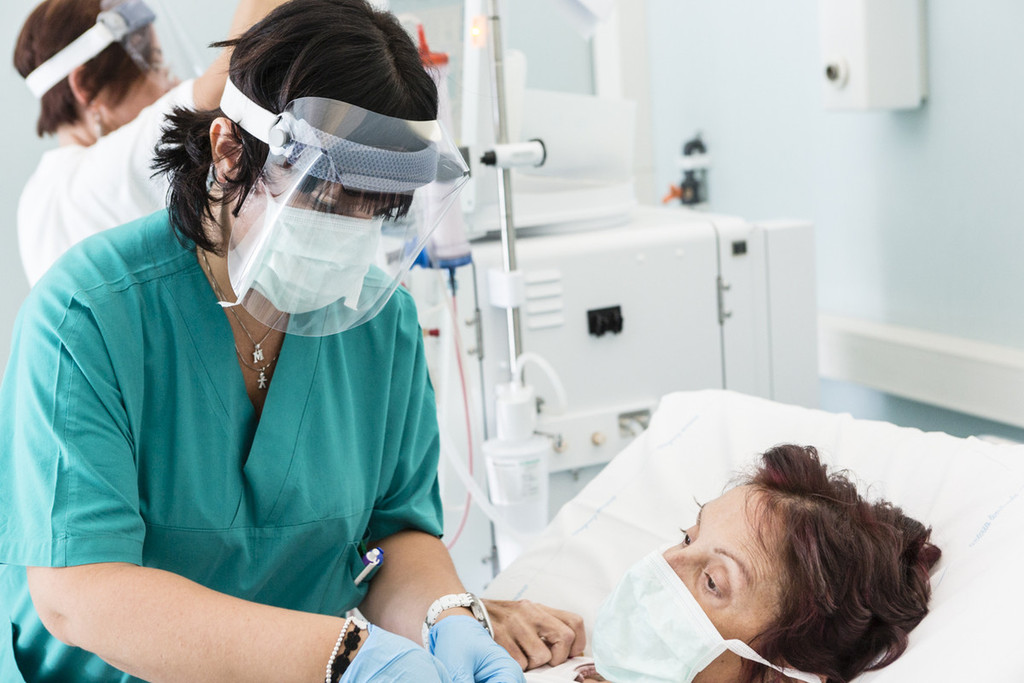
[968, 490]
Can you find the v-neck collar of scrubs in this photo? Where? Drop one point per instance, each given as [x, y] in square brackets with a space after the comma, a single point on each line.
[272, 442]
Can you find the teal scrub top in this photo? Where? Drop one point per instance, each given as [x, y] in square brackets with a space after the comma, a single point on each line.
[127, 436]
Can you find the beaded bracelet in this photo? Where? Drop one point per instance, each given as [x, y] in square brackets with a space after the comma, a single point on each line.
[351, 641]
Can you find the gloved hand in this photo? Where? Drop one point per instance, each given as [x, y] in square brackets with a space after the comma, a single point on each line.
[469, 654]
[390, 658]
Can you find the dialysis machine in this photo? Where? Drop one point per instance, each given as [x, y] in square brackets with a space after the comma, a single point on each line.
[617, 304]
[670, 299]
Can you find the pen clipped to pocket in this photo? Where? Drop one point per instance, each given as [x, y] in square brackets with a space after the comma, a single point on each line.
[371, 560]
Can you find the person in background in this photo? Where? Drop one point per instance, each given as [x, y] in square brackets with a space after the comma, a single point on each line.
[217, 419]
[105, 103]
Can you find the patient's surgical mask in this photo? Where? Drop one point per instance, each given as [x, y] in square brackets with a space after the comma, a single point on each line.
[651, 628]
[315, 258]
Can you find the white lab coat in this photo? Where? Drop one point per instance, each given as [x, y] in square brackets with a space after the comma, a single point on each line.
[79, 191]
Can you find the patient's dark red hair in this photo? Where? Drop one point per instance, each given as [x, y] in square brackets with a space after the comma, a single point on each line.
[855, 573]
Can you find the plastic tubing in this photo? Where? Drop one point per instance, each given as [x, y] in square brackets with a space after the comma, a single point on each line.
[456, 350]
[539, 361]
[464, 470]
[479, 497]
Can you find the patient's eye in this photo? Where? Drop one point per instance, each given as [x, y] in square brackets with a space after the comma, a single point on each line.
[712, 586]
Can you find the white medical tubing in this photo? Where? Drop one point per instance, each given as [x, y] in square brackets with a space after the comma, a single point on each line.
[445, 355]
[456, 338]
[479, 496]
[464, 470]
[539, 361]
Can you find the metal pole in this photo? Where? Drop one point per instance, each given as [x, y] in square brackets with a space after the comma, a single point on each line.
[508, 231]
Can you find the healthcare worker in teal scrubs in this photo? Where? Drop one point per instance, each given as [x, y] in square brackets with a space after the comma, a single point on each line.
[215, 416]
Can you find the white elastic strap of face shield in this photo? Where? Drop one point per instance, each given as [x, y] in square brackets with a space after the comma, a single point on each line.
[253, 118]
[110, 28]
[279, 130]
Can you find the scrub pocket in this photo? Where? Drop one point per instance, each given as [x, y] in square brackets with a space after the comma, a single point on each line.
[341, 589]
[8, 664]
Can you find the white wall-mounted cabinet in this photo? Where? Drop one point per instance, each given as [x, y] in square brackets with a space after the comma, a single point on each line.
[873, 54]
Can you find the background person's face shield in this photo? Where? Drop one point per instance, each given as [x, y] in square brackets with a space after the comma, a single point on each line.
[178, 55]
[345, 203]
[147, 32]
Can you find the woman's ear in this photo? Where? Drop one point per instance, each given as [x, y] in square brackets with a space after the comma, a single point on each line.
[91, 107]
[225, 147]
[83, 98]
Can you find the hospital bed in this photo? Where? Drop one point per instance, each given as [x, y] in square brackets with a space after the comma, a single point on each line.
[969, 491]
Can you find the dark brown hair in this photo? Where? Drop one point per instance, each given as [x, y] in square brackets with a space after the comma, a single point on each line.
[338, 49]
[855, 573]
[52, 26]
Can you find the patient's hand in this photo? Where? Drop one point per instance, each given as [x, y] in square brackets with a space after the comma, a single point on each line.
[536, 634]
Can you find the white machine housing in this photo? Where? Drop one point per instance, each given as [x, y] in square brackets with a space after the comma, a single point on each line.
[589, 142]
[706, 302]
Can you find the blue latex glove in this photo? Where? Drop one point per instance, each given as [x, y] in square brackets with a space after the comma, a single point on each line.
[388, 658]
[470, 655]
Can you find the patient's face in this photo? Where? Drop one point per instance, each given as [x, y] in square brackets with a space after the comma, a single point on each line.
[736, 580]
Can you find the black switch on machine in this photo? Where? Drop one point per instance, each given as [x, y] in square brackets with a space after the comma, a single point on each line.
[601, 320]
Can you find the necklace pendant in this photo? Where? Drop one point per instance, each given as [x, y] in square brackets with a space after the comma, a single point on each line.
[257, 354]
[262, 381]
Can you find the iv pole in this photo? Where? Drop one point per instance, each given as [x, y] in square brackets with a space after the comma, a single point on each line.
[508, 231]
[516, 457]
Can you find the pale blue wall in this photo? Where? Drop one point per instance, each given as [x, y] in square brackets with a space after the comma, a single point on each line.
[919, 214]
[867, 404]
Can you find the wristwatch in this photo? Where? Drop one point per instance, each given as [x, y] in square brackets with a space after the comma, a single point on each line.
[459, 600]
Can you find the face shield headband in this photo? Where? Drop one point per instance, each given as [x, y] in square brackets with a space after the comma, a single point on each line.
[344, 204]
[128, 23]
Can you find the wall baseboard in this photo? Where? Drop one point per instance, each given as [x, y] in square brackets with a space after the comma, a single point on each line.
[972, 377]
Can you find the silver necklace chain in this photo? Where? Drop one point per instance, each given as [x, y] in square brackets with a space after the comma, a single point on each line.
[257, 353]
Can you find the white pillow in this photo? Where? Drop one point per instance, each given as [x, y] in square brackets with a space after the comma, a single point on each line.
[967, 490]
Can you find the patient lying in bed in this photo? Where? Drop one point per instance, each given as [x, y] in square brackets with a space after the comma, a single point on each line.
[789, 574]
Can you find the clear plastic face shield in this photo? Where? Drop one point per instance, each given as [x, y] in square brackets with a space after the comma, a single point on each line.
[147, 32]
[345, 203]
